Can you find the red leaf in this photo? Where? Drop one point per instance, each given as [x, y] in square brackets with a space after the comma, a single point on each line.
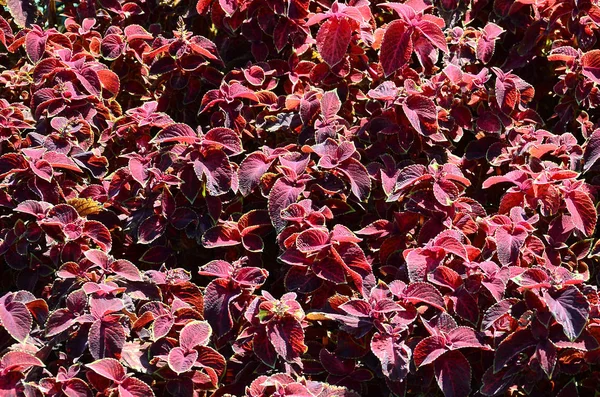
[333, 39]
[582, 210]
[312, 240]
[109, 81]
[151, 228]
[396, 47]
[425, 293]
[489, 122]
[429, 349]
[590, 61]
[511, 346]
[287, 338]
[422, 114]
[99, 234]
[251, 170]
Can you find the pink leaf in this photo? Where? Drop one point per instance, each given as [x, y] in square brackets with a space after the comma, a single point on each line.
[126, 269]
[462, 337]
[195, 333]
[509, 243]
[434, 34]
[108, 368]
[224, 138]
[133, 387]
[23, 12]
[161, 326]
[181, 360]
[19, 361]
[393, 355]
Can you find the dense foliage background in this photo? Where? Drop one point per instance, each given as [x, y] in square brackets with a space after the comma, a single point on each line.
[299, 198]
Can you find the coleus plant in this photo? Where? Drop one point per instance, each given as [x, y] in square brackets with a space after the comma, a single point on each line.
[417, 181]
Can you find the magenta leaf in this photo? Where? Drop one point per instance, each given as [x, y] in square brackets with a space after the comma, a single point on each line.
[180, 133]
[281, 196]
[509, 243]
[547, 356]
[514, 344]
[453, 374]
[24, 12]
[591, 153]
[106, 338]
[393, 356]
[15, 317]
[570, 309]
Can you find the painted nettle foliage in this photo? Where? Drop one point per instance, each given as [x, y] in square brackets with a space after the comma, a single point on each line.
[299, 198]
